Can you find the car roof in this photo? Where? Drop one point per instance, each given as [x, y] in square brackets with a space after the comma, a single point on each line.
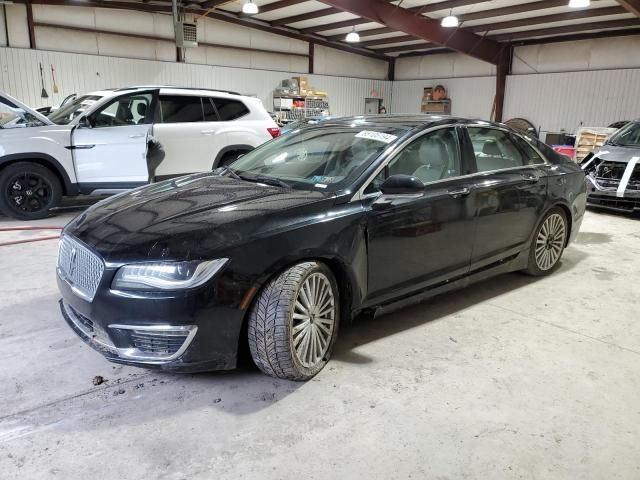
[110, 92]
[410, 121]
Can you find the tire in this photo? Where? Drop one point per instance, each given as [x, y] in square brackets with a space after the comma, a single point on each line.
[547, 244]
[28, 191]
[277, 331]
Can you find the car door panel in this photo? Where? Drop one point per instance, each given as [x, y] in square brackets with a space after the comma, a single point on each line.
[114, 150]
[191, 144]
[410, 241]
[510, 191]
[410, 236]
[508, 205]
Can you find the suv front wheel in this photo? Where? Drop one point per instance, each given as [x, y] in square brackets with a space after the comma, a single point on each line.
[28, 191]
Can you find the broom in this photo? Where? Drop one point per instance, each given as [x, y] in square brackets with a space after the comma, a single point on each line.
[44, 93]
[53, 77]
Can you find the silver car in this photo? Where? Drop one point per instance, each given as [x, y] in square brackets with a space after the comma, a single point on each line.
[613, 171]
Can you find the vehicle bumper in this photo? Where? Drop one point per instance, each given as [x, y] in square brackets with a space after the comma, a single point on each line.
[608, 198]
[186, 332]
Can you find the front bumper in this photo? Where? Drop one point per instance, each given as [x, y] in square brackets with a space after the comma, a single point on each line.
[182, 332]
[598, 196]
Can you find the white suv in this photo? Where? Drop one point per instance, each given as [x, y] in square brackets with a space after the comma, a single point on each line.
[97, 144]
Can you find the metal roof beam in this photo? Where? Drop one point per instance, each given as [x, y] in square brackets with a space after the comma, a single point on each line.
[560, 17]
[217, 15]
[306, 16]
[631, 6]
[422, 27]
[568, 29]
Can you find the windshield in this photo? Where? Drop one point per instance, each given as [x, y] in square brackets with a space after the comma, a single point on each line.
[71, 110]
[14, 117]
[324, 158]
[627, 136]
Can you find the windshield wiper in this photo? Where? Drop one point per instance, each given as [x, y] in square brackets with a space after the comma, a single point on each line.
[231, 172]
[267, 180]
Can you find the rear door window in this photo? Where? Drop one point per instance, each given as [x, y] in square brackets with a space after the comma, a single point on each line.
[533, 157]
[181, 109]
[495, 149]
[230, 109]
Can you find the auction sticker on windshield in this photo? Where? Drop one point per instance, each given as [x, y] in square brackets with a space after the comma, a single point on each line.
[377, 136]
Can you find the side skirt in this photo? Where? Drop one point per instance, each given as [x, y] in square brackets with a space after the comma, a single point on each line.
[510, 264]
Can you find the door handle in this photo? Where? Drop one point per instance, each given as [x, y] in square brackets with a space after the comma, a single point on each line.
[459, 192]
[139, 135]
[207, 132]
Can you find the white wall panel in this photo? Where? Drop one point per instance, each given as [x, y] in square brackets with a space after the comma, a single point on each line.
[3, 31]
[17, 25]
[555, 101]
[329, 61]
[594, 54]
[470, 97]
[446, 65]
[77, 73]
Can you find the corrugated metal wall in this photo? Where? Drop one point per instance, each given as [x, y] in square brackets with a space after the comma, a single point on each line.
[79, 73]
[566, 100]
[470, 97]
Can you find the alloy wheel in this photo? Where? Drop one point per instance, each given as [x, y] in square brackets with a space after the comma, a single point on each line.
[550, 242]
[29, 192]
[313, 320]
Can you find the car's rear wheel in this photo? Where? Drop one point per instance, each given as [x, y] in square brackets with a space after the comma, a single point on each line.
[28, 191]
[548, 243]
[294, 322]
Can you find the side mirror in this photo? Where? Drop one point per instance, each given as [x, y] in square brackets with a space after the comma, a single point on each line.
[402, 185]
[84, 122]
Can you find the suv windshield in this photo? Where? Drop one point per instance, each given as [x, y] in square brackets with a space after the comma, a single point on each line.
[14, 117]
[627, 136]
[71, 110]
[326, 158]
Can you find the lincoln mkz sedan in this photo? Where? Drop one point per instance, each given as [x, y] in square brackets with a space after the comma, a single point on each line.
[354, 215]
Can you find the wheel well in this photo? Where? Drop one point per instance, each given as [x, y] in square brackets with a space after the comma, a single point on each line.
[344, 287]
[230, 149]
[44, 163]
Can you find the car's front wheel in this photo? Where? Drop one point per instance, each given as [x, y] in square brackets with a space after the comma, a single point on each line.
[548, 243]
[28, 191]
[294, 322]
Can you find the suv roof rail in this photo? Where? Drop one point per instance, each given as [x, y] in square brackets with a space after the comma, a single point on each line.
[174, 86]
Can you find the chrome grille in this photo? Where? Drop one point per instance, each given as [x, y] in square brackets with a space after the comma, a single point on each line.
[79, 267]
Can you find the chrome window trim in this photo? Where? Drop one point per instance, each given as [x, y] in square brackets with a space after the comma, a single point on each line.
[360, 195]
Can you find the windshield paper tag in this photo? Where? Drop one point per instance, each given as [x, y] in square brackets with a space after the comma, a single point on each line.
[377, 136]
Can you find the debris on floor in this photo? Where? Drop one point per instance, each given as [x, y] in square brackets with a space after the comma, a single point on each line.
[98, 380]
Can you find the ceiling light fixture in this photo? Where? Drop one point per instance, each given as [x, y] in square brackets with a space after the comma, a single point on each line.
[579, 3]
[250, 8]
[353, 36]
[450, 20]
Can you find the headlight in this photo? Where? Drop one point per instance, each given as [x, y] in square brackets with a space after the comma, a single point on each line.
[166, 275]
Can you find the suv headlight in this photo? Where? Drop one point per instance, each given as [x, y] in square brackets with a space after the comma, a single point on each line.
[166, 275]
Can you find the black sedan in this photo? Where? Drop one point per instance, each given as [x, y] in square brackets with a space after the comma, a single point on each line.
[307, 231]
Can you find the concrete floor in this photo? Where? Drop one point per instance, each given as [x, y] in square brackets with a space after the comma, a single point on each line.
[512, 378]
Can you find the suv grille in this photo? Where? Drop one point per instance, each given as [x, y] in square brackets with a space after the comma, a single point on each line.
[79, 267]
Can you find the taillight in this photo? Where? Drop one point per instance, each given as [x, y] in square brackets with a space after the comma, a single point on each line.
[274, 131]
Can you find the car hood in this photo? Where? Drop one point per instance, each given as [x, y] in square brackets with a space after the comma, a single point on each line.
[13, 103]
[193, 217]
[614, 153]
